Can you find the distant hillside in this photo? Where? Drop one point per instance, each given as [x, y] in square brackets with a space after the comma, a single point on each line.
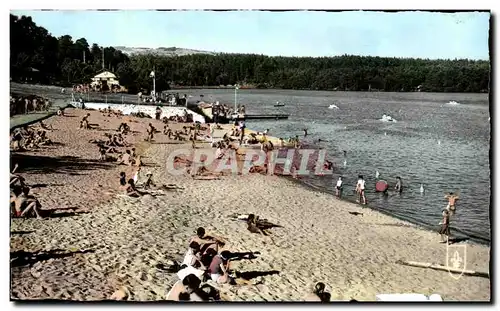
[171, 51]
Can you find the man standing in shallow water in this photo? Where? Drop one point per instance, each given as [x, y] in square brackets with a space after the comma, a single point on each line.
[360, 189]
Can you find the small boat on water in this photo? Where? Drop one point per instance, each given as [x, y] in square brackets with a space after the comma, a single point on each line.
[333, 106]
[278, 104]
[387, 118]
[452, 102]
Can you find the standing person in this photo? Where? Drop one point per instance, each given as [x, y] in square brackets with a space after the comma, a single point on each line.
[338, 188]
[296, 142]
[360, 189]
[242, 131]
[399, 185]
[445, 226]
[305, 132]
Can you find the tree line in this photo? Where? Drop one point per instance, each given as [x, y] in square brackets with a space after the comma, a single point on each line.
[41, 57]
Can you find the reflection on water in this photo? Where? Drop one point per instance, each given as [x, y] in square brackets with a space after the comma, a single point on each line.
[444, 147]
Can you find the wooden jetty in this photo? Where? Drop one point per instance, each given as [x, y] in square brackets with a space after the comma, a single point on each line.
[265, 117]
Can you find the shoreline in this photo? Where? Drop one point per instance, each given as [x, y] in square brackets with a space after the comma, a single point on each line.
[412, 222]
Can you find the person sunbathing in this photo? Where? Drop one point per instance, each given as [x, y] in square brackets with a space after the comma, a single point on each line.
[182, 160]
[131, 190]
[15, 178]
[191, 290]
[42, 125]
[206, 242]
[106, 157]
[260, 169]
[206, 174]
[26, 205]
[123, 128]
[125, 158]
[319, 294]
[119, 141]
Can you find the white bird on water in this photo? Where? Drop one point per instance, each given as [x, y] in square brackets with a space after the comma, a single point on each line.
[439, 142]
[377, 174]
[385, 133]
[345, 163]
[421, 188]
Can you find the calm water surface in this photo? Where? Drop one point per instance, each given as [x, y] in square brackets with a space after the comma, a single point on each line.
[444, 147]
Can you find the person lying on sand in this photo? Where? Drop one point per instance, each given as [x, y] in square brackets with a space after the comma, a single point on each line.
[182, 160]
[15, 178]
[319, 294]
[204, 173]
[193, 292]
[25, 205]
[206, 242]
[260, 169]
[126, 158]
[42, 125]
[256, 225]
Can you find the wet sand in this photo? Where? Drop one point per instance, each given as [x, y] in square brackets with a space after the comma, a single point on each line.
[126, 241]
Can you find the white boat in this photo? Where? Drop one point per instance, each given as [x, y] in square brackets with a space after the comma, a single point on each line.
[387, 118]
[333, 106]
[452, 102]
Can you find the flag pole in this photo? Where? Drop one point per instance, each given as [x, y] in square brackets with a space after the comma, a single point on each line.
[154, 83]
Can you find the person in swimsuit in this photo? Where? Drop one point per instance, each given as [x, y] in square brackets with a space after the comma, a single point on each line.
[445, 226]
[192, 290]
[452, 199]
[219, 269]
[130, 189]
[338, 188]
[319, 294]
[206, 242]
[399, 185]
[360, 189]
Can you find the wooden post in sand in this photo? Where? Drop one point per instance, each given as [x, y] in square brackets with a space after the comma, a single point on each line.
[443, 268]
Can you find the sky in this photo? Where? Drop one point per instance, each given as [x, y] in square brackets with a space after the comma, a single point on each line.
[297, 33]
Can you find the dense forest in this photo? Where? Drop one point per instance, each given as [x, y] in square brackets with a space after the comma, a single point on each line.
[38, 56]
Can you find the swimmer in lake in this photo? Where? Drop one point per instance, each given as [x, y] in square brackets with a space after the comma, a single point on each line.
[399, 185]
[452, 198]
[338, 188]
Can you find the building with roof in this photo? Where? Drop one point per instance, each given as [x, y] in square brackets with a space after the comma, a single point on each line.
[105, 81]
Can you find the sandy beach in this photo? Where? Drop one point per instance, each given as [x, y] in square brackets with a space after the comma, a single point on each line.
[120, 241]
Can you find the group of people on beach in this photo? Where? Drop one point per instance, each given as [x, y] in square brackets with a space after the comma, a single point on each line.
[26, 104]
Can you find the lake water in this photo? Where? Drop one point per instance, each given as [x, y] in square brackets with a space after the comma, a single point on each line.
[444, 147]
